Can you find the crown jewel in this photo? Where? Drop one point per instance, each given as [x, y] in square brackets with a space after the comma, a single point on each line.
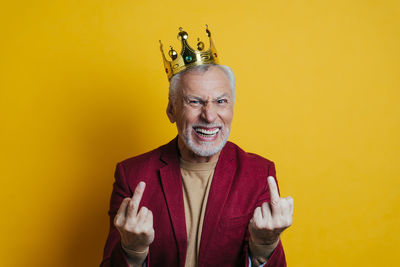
[188, 57]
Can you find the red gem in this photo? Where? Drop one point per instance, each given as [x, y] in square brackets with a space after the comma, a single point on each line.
[215, 54]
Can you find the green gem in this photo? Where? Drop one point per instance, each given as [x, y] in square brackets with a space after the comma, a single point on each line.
[188, 58]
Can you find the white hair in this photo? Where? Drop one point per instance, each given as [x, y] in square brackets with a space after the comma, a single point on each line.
[175, 80]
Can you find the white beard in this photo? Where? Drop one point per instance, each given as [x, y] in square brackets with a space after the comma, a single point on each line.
[206, 149]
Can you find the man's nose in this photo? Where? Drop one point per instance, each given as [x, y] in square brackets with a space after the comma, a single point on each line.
[209, 113]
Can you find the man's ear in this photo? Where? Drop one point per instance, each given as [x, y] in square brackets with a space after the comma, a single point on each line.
[170, 112]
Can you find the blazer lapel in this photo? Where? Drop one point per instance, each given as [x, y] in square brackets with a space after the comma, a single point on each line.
[171, 181]
[220, 188]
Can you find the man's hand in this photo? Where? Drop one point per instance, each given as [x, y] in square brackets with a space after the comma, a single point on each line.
[271, 219]
[135, 227]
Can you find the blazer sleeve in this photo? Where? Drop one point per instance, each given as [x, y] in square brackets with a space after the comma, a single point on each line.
[113, 255]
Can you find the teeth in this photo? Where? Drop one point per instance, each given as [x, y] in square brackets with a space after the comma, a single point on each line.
[207, 132]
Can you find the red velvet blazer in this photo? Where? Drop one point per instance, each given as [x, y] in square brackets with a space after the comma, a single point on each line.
[239, 185]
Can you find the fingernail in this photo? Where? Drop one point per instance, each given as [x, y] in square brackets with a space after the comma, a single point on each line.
[142, 184]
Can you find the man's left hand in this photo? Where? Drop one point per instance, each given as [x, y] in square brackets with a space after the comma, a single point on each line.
[271, 219]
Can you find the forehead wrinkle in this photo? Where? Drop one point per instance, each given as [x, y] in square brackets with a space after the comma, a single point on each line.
[196, 85]
[201, 93]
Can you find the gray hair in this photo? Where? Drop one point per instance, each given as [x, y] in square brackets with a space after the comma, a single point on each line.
[175, 80]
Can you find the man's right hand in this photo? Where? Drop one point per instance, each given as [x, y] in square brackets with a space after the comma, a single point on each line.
[135, 226]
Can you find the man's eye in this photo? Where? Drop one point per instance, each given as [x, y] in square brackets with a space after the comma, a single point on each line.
[222, 101]
[194, 102]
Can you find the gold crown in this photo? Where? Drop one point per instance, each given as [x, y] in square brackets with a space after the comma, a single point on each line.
[189, 57]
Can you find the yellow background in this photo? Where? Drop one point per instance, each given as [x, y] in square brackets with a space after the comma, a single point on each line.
[82, 87]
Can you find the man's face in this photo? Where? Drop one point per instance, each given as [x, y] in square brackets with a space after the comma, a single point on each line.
[203, 111]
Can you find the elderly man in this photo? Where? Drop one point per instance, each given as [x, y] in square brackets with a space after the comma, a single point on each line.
[198, 200]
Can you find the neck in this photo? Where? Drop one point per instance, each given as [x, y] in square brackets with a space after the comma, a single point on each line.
[190, 156]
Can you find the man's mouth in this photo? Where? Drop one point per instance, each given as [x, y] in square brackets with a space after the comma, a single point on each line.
[207, 132]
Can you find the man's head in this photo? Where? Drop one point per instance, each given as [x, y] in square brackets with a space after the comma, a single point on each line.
[201, 101]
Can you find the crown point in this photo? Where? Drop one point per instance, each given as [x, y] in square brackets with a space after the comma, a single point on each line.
[208, 31]
[182, 35]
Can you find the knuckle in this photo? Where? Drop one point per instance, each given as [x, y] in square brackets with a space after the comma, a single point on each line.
[285, 203]
[263, 225]
[138, 230]
[269, 226]
[258, 224]
[284, 222]
[131, 204]
[146, 229]
[126, 226]
[144, 210]
[256, 218]
[131, 221]
[275, 203]
[116, 219]
[129, 227]
[281, 222]
[149, 231]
